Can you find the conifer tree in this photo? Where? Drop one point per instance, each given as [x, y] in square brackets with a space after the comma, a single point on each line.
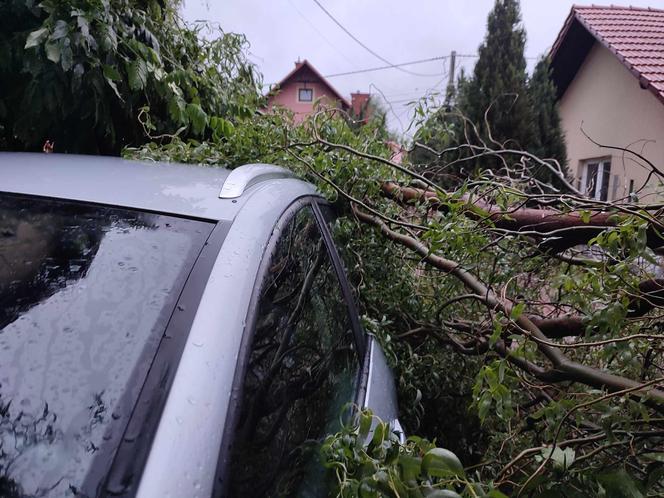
[498, 86]
[549, 142]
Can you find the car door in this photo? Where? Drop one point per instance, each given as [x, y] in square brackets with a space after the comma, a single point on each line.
[303, 367]
[299, 369]
[377, 388]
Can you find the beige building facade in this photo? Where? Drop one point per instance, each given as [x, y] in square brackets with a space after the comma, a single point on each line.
[609, 99]
[606, 103]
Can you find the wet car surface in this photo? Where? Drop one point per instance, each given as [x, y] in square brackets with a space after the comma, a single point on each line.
[175, 342]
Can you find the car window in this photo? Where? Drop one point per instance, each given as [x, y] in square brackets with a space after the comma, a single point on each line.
[301, 372]
[86, 293]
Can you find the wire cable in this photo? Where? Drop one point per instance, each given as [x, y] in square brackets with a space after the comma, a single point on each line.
[343, 28]
[313, 26]
[380, 68]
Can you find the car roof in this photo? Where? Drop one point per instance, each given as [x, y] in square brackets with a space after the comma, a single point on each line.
[187, 190]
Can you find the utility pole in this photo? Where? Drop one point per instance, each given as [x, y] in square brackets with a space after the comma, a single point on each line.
[450, 81]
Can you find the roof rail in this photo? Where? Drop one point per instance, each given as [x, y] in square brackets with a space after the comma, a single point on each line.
[245, 176]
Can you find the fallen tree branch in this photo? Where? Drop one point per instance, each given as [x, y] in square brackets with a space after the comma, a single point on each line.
[572, 370]
[556, 230]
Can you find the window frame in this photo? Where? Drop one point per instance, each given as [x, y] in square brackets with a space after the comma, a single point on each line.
[299, 94]
[220, 486]
[602, 170]
[124, 476]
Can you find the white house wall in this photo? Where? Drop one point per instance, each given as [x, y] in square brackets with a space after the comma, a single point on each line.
[607, 101]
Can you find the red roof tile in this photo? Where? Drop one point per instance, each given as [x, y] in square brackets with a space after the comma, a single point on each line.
[634, 35]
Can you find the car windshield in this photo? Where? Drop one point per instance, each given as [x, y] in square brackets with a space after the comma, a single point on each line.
[86, 293]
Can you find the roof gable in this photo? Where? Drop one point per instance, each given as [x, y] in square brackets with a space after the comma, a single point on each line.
[634, 35]
[304, 71]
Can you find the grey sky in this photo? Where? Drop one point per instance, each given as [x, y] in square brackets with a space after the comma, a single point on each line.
[280, 31]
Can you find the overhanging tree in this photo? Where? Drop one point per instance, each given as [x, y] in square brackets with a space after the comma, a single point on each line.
[88, 75]
[540, 309]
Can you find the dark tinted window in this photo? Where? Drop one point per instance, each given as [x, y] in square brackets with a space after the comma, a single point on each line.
[301, 372]
[85, 295]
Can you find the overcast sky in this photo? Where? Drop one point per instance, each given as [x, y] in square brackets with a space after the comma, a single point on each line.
[281, 31]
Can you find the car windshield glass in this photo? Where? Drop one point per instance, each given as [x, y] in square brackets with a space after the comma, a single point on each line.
[86, 293]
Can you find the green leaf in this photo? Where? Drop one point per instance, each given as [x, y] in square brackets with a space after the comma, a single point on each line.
[494, 493]
[562, 459]
[137, 72]
[484, 406]
[411, 467]
[619, 484]
[114, 87]
[53, 52]
[439, 462]
[67, 58]
[36, 37]
[198, 118]
[584, 214]
[517, 311]
[221, 127]
[365, 425]
[497, 332]
[379, 434]
[111, 73]
[177, 110]
[60, 31]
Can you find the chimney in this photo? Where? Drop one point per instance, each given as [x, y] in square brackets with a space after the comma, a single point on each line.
[358, 104]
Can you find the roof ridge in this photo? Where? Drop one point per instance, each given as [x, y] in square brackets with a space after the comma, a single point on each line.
[616, 7]
[305, 63]
[624, 31]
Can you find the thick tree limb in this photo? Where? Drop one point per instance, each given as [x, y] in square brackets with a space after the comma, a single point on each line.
[556, 230]
[651, 296]
[561, 364]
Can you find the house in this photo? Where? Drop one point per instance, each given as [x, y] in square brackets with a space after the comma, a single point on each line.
[300, 89]
[608, 66]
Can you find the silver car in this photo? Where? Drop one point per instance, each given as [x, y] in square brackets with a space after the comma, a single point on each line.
[172, 331]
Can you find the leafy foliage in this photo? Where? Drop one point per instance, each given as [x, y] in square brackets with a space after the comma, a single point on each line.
[81, 73]
[468, 376]
[370, 461]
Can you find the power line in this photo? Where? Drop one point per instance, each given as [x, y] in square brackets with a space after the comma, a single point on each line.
[362, 44]
[313, 26]
[380, 68]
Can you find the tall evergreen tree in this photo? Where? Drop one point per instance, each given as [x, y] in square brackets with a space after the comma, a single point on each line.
[499, 82]
[549, 141]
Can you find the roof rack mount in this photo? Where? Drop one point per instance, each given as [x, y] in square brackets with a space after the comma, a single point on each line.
[243, 177]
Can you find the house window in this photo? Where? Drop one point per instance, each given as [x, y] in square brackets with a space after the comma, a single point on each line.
[595, 179]
[305, 95]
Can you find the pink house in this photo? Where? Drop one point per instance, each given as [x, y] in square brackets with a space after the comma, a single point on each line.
[304, 86]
